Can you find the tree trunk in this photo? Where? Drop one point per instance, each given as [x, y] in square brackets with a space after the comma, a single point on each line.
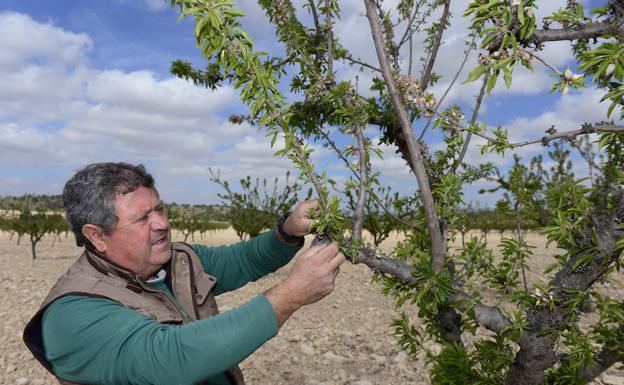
[33, 244]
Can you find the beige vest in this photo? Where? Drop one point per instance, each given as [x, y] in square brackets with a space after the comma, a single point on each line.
[95, 276]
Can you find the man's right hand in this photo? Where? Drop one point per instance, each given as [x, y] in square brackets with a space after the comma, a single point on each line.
[312, 277]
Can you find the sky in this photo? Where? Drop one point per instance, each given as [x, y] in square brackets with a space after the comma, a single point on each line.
[87, 81]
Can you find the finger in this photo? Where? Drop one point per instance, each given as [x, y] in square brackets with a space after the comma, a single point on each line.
[338, 260]
[328, 252]
[307, 206]
[325, 251]
[312, 204]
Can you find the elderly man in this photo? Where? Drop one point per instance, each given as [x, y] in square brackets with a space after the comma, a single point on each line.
[136, 308]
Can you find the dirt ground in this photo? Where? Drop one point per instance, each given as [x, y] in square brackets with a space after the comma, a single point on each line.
[343, 339]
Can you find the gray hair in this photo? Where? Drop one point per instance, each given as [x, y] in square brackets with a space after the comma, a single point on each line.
[89, 196]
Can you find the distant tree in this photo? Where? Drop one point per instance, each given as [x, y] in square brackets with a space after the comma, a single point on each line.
[36, 226]
[190, 223]
[258, 206]
[384, 212]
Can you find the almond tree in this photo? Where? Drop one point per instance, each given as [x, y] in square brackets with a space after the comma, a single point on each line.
[540, 339]
[189, 224]
[35, 225]
[257, 206]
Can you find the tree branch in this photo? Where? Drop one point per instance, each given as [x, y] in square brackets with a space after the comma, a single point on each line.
[473, 120]
[433, 223]
[450, 86]
[317, 25]
[604, 360]
[363, 64]
[614, 26]
[363, 169]
[424, 80]
[586, 129]
[311, 176]
[542, 60]
[330, 39]
[409, 31]
[489, 317]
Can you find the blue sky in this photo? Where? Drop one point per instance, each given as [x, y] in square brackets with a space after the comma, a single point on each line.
[87, 81]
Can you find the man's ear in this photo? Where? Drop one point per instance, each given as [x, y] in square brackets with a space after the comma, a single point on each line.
[95, 235]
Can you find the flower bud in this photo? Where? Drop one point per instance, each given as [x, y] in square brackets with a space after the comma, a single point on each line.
[567, 75]
[576, 77]
[610, 69]
[565, 90]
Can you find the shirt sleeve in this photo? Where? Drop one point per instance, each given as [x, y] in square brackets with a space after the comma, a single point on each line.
[235, 265]
[99, 341]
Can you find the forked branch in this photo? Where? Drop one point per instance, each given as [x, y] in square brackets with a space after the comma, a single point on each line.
[416, 158]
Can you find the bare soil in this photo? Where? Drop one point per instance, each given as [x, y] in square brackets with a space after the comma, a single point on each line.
[343, 339]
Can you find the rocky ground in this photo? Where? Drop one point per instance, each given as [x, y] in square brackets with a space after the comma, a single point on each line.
[344, 339]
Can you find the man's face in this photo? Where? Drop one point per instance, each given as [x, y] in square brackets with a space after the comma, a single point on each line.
[140, 241]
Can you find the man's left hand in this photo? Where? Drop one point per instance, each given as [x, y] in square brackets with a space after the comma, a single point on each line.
[298, 223]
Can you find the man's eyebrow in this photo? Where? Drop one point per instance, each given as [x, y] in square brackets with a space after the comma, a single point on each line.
[140, 214]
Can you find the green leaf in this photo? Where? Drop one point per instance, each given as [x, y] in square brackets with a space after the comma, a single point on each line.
[491, 82]
[508, 78]
[475, 74]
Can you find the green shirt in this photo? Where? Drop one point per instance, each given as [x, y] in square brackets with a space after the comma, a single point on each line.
[99, 341]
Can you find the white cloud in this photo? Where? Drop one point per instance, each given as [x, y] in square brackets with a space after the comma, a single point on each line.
[394, 170]
[28, 41]
[157, 5]
[57, 109]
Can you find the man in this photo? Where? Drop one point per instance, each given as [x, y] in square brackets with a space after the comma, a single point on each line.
[136, 308]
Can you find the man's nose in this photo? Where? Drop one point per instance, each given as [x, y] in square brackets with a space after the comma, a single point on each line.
[160, 221]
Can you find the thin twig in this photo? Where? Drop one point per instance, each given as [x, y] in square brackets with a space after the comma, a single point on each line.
[589, 129]
[473, 120]
[317, 24]
[330, 39]
[424, 80]
[312, 177]
[349, 166]
[409, 31]
[448, 89]
[363, 64]
[363, 170]
[541, 59]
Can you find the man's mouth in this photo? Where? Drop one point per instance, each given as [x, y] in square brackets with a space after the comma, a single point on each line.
[160, 241]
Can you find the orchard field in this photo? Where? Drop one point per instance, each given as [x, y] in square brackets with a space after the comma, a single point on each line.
[344, 339]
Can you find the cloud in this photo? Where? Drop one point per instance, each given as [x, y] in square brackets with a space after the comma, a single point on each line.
[27, 41]
[157, 5]
[56, 109]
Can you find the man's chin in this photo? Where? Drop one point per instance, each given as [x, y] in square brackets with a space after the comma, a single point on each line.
[161, 253]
